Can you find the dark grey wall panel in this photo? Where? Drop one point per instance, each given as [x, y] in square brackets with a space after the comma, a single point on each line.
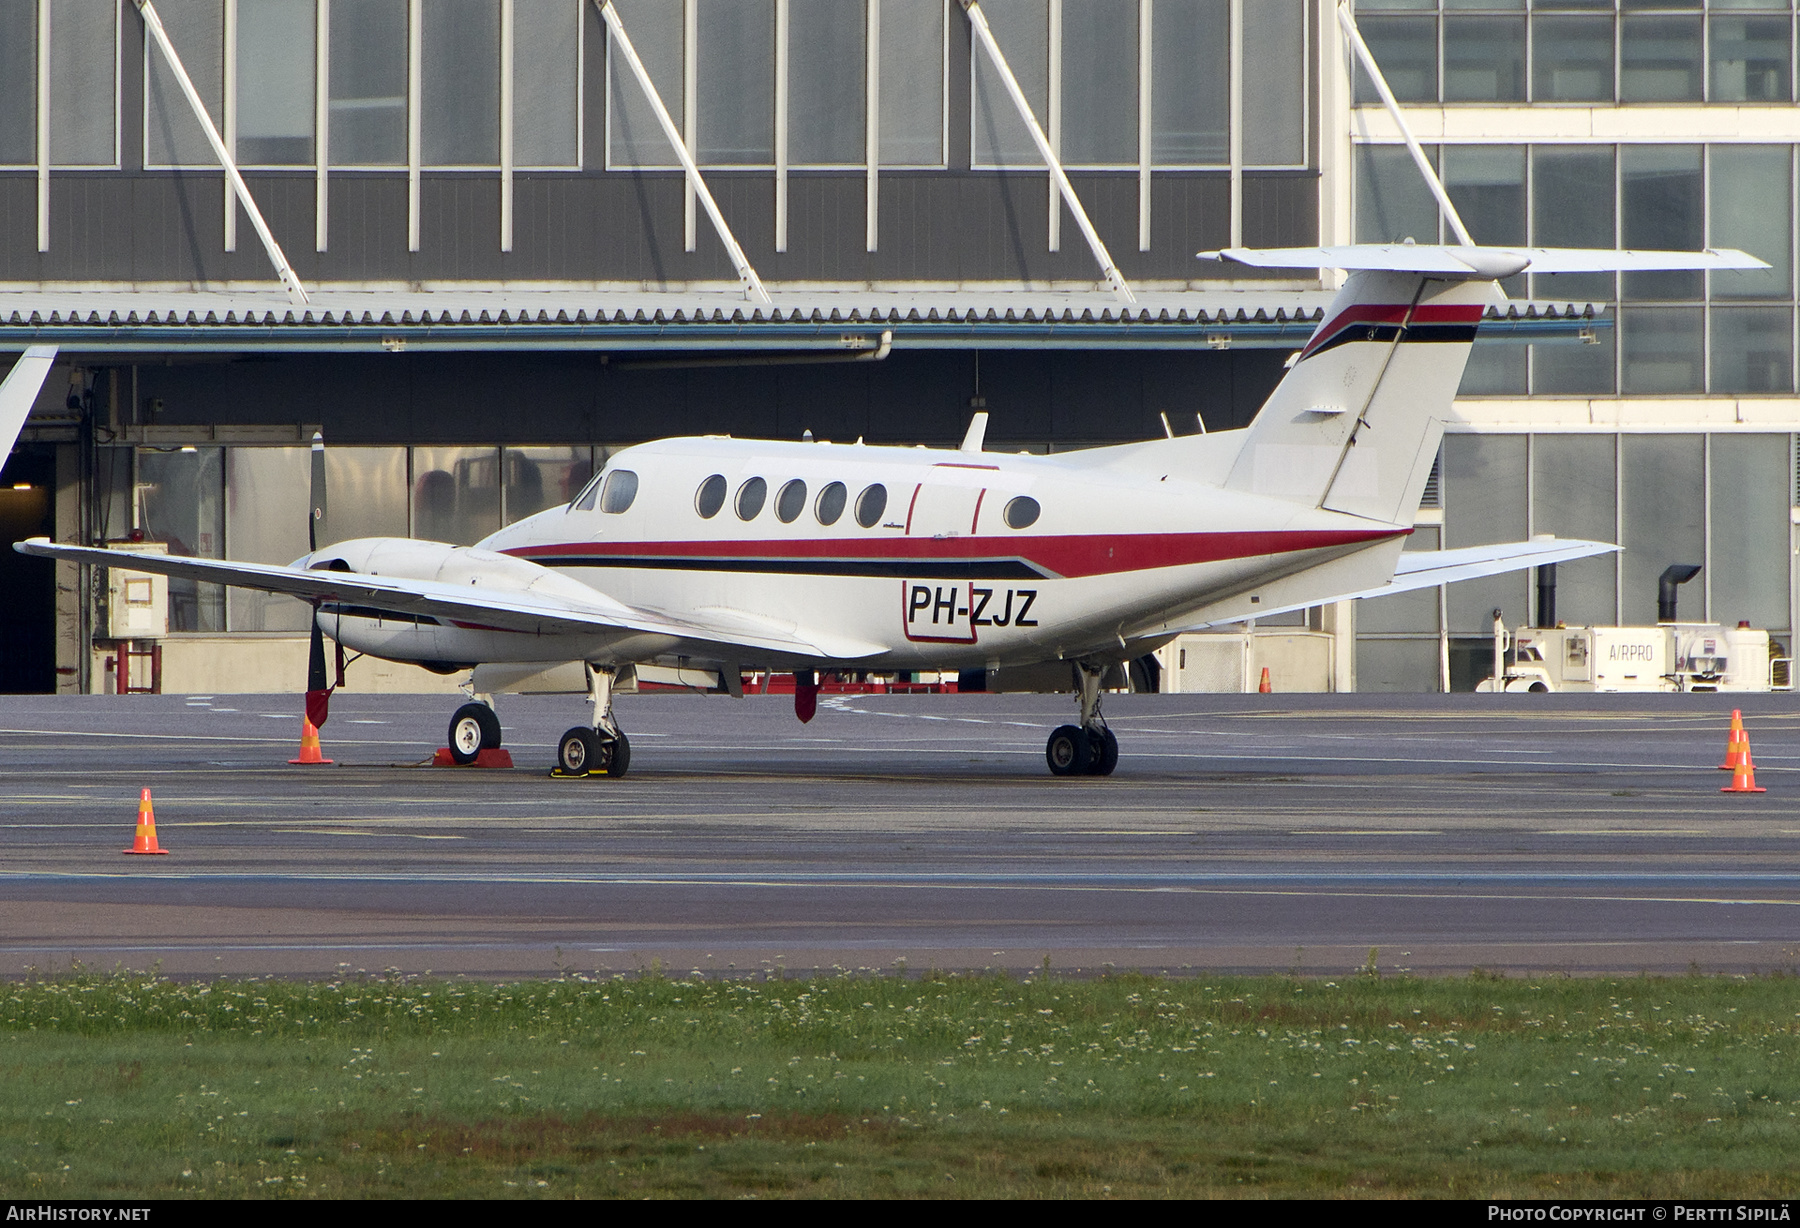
[1281, 210]
[18, 228]
[367, 229]
[1187, 215]
[934, 226]
[1034, 397]
[459, 228]
[90, 227]
[177, 223]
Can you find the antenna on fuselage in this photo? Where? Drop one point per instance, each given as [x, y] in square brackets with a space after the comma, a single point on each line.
[977, 433]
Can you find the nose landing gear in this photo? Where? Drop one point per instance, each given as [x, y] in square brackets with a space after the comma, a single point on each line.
[1088, 749]
[601, 749]
[473, 729]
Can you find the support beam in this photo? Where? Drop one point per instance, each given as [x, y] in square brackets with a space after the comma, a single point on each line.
[296, 292]
[43, 125]
[782, 68]
[1146, 21]
[985, 36]
[322, 129]
[872, 130]
[415, 105]
[507, 85]
[753, 287]
[1413, 147]
[229, 96]
[1235, 119]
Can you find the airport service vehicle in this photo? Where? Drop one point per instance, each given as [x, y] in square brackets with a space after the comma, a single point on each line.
[1667, 657]
[713, 555]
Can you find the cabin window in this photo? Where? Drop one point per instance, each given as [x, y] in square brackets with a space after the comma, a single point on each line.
[750, 498]
[1021, 512]
[710, 497]
[790, 502]
[621, 488]
[870, 504]
[831, 503]
[584, 502]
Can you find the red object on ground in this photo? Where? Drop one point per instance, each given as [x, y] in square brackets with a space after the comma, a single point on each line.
[498, 757]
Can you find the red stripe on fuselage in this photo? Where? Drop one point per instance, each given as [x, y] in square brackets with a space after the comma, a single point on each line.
[1365, 314]
[1068, 556]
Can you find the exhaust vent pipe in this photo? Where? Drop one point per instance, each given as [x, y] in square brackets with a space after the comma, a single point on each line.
[1674, 575]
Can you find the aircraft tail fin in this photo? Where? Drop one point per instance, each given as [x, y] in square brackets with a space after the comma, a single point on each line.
[1355, 424]
[20, 391]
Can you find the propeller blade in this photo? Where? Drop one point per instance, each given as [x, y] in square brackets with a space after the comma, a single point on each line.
[806, 694]
[318, 687]
[315, 520]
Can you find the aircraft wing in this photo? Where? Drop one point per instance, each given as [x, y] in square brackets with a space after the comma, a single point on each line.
[1429, 568]
[526, 611]
[1492, 262]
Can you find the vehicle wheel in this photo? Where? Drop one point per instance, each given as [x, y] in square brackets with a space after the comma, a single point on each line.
[578, 752]
[473, 729]
[615, 756]
[1105, 749]
[1068, 752]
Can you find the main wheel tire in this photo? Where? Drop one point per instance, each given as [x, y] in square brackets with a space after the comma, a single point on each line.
[1105, 752]
[1068, 752]
[615, 755]
[473, 729]
[578, 752]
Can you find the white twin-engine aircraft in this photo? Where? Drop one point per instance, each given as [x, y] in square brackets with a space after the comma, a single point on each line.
[714, 555]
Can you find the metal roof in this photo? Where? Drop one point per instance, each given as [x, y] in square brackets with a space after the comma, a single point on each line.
[129, 319]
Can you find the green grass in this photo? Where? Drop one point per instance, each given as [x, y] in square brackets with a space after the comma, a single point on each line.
[119, 1086]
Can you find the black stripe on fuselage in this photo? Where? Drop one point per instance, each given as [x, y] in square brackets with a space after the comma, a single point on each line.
[386, 616]
[1387, 333]
[888, 569]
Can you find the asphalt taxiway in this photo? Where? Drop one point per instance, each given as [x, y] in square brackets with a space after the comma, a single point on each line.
[1436, 833]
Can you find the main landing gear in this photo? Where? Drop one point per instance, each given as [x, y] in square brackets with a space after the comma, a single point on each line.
[599, 750]
[1087, 749]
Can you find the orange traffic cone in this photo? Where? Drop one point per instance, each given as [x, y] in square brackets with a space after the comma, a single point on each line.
[1737, 745]
[145, 840]
[309, 744]
[1743, 773]
[1265, 688]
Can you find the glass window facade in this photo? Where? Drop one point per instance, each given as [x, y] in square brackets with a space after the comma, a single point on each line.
[172, 137]
[913, 80]
[1722, 500]
[459, 80]
[1674, 334]
[547, 44]
[827, 83]
[368, 83]
[1077, 63]
[275, 82]
[1580, 51]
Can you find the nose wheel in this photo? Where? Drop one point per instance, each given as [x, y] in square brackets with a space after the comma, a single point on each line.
[473, 729]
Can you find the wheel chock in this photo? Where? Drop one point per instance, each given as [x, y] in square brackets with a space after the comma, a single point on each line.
[498, 757]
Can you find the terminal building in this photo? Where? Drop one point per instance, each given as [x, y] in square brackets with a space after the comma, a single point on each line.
[476, 264]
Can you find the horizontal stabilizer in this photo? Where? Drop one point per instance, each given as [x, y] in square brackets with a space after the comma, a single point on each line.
[1488, 263]
[1430, 568]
